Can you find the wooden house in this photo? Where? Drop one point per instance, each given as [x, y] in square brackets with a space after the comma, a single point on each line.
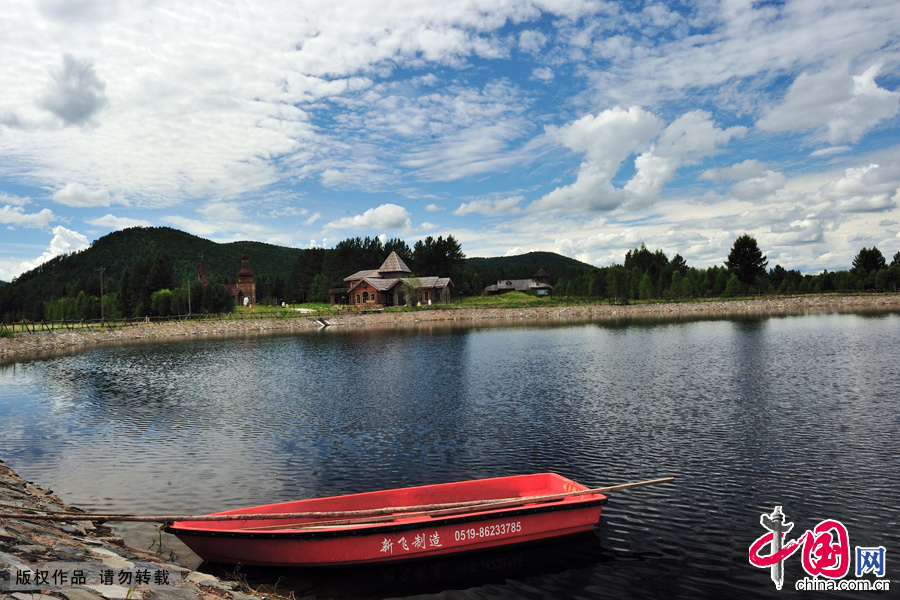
[384, 286]
[538, 285]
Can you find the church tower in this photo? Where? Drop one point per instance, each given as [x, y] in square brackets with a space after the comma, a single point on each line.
[245, 284]
[201, 274]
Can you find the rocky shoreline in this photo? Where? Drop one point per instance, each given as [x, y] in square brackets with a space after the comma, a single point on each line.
[44, 558]
[30, 345]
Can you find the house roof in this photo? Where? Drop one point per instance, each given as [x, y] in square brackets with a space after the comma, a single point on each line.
[394, 264]
[382, 285]
[434, 282]
[541, 274]
[362, 275]
[521, 285]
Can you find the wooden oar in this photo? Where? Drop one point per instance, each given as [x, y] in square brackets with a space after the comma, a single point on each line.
[347, 517]
[435, 510]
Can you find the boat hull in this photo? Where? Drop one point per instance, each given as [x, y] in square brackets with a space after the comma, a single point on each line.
[402, 539]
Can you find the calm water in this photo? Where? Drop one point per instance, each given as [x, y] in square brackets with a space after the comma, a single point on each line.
[796, 411]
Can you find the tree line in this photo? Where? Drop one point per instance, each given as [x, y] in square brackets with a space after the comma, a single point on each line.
[147, 288]
[68, 287]
[318, 270]
[152, 285]
[649, 275]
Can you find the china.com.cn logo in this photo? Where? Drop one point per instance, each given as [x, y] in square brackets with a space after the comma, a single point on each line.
[825, 553]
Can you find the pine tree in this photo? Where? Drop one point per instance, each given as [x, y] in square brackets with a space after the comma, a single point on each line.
[746, 261]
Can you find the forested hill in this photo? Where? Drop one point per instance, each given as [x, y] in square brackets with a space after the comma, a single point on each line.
[121, 249]
[66, 276]
[153, 271]
[156, 258]
[523, 266]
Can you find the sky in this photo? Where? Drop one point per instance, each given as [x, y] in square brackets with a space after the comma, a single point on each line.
[580, 127]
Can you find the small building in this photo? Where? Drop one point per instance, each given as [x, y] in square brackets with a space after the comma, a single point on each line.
[244, 291]
[384, 286]
[202, 275]
[538, 285]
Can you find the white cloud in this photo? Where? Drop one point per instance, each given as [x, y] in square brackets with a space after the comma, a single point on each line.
[504, 206]
[757, 188]
[543, 74]
[65, 241]
[831, 150]
[688, 138]
[471, 151]
[608, 138]
[14, 200]
[312, 218]
[805, 231]
[16, 216]
[179, 123]
[287, 211]
[532, 41]
[871, 188]
[78, 195]
[359, 96]
[433, 208]
[846, 106]
[201, 228]
[75, 93]
[384, 217]
[743, 170]
[226, 220]
[114, 222]
[332, 177]
[223, 211]
[740, 47]
[605, 140]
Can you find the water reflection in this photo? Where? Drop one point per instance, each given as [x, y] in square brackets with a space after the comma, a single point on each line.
[559, 565]
[749, 413]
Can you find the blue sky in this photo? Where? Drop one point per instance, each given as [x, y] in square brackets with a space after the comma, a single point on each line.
[580, 127]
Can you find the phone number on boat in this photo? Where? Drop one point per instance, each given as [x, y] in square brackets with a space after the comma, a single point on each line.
[461, 535]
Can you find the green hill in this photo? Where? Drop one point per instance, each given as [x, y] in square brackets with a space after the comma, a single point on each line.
[124, 248]
[136, 248]
[524, 266]
[66, 276]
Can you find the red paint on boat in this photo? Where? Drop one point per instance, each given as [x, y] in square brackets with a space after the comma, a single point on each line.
[299, 543]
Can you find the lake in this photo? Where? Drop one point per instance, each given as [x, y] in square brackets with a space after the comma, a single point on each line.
[797, 411]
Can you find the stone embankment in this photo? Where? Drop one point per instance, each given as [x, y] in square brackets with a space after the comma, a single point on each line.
[55, 552]
[31, 344]
[34, 344]
[25, 344]
[611, 312]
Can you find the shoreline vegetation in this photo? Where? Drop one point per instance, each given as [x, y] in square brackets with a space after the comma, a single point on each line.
[469, 312]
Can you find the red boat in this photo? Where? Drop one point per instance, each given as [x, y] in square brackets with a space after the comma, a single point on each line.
[399, 524]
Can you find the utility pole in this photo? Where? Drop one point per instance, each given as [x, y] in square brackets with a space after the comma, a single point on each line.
[101, 269]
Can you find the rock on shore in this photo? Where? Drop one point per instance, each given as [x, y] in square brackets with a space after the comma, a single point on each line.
[31, 545]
